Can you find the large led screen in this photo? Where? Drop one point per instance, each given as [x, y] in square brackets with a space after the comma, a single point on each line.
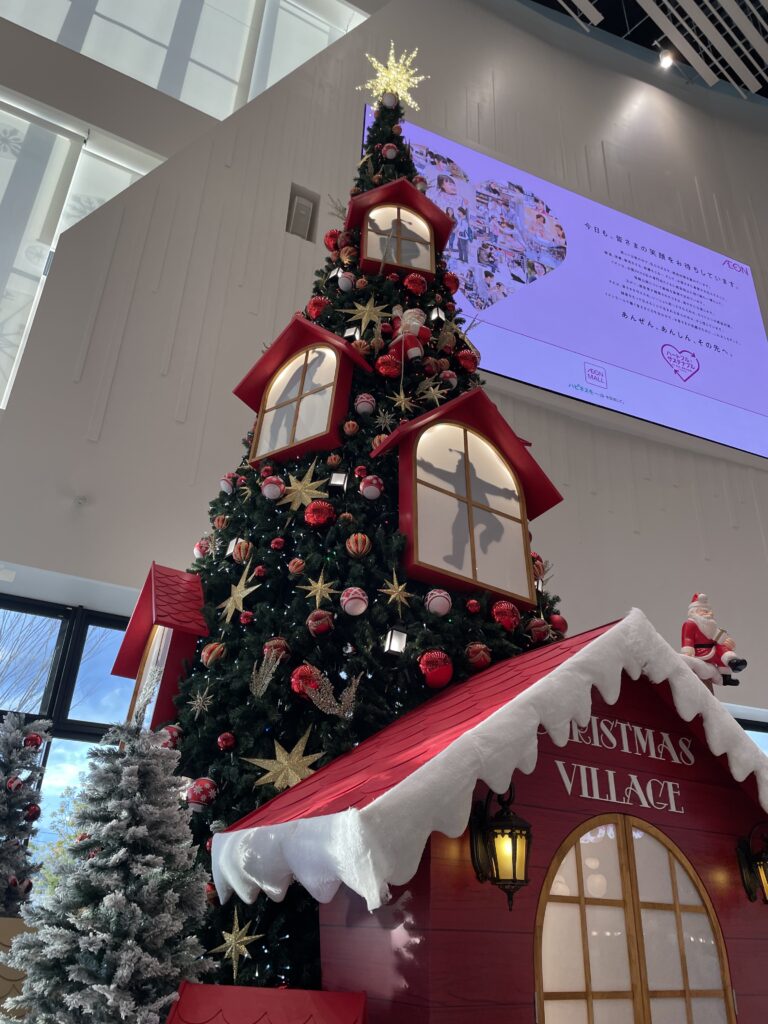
[574, 297]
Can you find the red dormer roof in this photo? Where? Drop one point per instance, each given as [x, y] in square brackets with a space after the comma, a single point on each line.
[475, 409]
[299, 334]
[238, 1004]
[400, 193]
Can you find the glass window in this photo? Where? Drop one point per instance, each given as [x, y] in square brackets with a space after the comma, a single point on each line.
[760, 738]
[672, 972]
[399, 236]
[469, 514]
[297, 403]
[66, 763]
[99, 696]
[28, 644]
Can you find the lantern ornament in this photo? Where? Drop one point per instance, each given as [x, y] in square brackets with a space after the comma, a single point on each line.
[395, 640]
[500, 844]
[753, 862]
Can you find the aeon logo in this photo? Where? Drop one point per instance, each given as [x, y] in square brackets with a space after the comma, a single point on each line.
[733, 265]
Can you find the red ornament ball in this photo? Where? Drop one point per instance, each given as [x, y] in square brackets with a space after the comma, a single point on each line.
[333, 460]
[346, 517]
[209, 845]
[388, 366]
[429, 366]
[211, 896]
[353, 601]
[436, 667]
[320, 622]
[172, 736]
[272, 487]
[319, 513]
[278, 646]
[478, 655]
[33, 740]
[351, 427]
[371, 487]
[415, 283]
[539, 569]
[506, 614]
[277, 543]
[259, 572]
[221, 522]
[212, 653]
[316, 305]
[467, 360]
[296, 566]
[14, 783]
[331, 239]
[361, 471]
[558, 623]
[378, 440]
[305, 677]
[226, 741]
[386, 330]
[201, 793]
[438, 602]
[246, 618]
[393, 277]
[358, 545]
[32, 812]
[451, 282]
[473, 606]
[538, 630]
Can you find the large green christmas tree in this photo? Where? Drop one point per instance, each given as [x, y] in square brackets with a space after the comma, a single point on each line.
[303, 572]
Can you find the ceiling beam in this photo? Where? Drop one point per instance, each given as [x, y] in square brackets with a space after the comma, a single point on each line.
[750, 32]
[723, 47]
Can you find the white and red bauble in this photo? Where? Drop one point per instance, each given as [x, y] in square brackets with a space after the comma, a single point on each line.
[171, 736]
[277, 646]
[202, 547]
[449, 378]
[212, 653]
[272, 487]
[436, 667]
[13, 784]
[438, 602]
[371, 487]
[351, 427]
[378, 440]
[33, 740]
[421, 183]
[353, 601]
[478, 655]
[346, 281]
[320, 622]
[358, 545]
[506, 614]
[226, 484]
[538, 630]
[201, 793]
[389, 151]
[365, 404]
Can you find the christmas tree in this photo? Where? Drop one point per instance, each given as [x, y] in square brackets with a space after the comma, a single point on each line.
[115, 939]
[20, 770]
[323, 627]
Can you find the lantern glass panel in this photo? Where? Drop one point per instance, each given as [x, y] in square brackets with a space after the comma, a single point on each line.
[708, 1011]
[662, 953]
[701, 952]
[668, 1011]
[510, 849]
[562, 957]
[565, 1011]
[652, 860]
[762, 874]
[608, 956]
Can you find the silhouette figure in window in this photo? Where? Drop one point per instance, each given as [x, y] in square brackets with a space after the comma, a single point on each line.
[282, 417]
[479, 493]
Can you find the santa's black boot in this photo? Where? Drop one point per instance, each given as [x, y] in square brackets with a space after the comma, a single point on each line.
[736, 664]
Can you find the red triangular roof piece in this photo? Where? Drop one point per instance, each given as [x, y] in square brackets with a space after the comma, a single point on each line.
[239, 1004]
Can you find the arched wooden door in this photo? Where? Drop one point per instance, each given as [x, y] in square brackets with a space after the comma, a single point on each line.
[626, 933]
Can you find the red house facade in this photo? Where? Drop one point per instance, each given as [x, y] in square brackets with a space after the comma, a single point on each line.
[235, 1004]
[637, 785]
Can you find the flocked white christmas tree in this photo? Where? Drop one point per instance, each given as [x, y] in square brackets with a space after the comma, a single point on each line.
[20, 747]
[118, 935]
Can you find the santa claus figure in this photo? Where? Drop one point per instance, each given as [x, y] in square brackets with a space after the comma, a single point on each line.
[703, 638]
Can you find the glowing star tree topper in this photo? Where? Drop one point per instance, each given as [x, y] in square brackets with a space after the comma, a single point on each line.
[397, 76]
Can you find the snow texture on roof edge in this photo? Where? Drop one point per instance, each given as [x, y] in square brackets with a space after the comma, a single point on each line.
[381, 845]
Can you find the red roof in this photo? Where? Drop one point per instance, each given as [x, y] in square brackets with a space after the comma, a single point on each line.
[357, 778]
[400, 193]
[238, 1004]
[169, 597]
[299, 334]
[475, 409]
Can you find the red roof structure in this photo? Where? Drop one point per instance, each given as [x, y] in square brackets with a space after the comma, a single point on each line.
[400, 193]
[238, 1004]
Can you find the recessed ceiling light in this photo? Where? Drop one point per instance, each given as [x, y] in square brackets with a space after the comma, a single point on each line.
[666, 59]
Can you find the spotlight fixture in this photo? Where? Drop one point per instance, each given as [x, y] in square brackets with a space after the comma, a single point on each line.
[666, 59]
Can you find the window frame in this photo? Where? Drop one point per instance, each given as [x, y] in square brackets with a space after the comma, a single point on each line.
[473, 581]
[255, 455]
[639, 994]
[397, 238]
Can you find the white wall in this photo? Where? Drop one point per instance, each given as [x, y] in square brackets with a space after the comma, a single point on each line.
[159, 302]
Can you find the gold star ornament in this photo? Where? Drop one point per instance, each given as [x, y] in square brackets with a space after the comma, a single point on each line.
[402, 402]
[238, 593]
[319, 589]
[368, 313]
[287, 768]
[398, 75]
[301, 492]
[236, 943]
[396, 592]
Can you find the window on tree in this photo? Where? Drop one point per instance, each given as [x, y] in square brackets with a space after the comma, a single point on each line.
[470, 517]
[397, 235]
[628, 933]
[297, 403]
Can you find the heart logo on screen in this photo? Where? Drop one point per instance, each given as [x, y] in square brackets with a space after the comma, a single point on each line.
[684, 363]
[505, 237]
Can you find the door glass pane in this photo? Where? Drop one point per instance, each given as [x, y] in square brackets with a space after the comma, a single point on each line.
[600, 863]
[490, 481]
[686, 890]
[443, 532]
[500, 552]
[275, 431]
[67, 761]
[708, 1011]
[662, 954]
[608, 959]
[652, 860]
[321, 368]
[613, 1011]
[95, 182]
[565, 1011]
[440, 458]
[313, 414]
[566, 882]
[98, 695]
[27, 648]
[562, 960]
[668, 1011]
[701, 952]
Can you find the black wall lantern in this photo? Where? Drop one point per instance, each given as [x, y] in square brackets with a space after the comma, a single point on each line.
[753, 862]
[500, 844]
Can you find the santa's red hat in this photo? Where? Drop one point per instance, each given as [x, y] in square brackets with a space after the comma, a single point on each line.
[698, 602]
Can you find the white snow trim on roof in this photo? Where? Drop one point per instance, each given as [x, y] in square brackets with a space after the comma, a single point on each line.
[381, 845]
